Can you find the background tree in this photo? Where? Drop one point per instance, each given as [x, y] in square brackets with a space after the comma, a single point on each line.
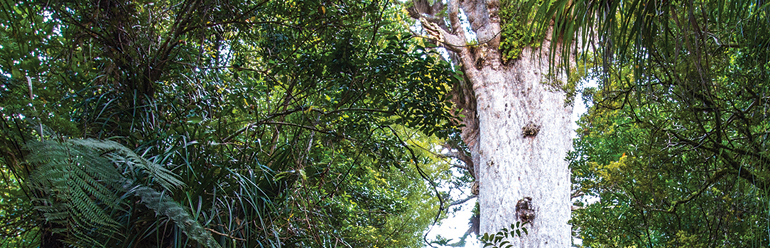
[675, 143]
[288, 123]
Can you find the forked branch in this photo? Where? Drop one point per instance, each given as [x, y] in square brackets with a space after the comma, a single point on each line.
[452, 38]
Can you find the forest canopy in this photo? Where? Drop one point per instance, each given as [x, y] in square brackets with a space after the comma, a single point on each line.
[199, 123]
[219, 123]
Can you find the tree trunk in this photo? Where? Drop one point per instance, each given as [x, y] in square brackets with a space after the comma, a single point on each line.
[521, 132]
[524, 136]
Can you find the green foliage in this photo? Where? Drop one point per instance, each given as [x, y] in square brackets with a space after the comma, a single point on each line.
[165, 206]
[84, 185]
[517, 29]
[15, 231]
[674, 143]
[500, 239]
[289, 123]
[71, 175]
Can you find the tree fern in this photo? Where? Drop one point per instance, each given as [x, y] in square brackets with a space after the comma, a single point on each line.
[81, 183]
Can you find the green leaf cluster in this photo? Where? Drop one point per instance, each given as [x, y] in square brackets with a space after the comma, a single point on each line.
[517, 27]
[236, 123]
[500, 239]
[673, 146]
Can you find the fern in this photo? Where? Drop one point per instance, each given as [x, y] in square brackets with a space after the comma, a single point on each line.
[164, 205]
[82, 182]
[68, 176]
[130, 163]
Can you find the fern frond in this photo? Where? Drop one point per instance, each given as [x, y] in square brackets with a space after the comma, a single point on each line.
[76, 185]
[165, 205]
[83, 234]
[131, 162]
[79, 181]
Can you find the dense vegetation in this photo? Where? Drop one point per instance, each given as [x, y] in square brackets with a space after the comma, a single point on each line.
[181, 123]
[232, 124]
[675, 146]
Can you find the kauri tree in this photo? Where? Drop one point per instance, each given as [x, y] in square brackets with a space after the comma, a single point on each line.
[516, 124]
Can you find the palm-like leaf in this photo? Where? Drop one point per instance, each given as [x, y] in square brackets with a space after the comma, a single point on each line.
[626, 31]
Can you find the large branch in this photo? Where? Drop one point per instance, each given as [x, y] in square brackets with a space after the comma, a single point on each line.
[484, 20]
[452, 38]
[422, 8]
[450, 41]
[461, 201]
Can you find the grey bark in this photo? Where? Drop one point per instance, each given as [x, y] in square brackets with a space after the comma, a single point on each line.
[520, 132]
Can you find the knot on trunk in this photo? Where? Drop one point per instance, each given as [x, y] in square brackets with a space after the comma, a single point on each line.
[524, 210]
[479, 55]
[530, 130]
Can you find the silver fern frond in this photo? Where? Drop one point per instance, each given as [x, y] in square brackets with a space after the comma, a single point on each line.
[82, 183]
[75, 189]
[166, 206]
[129, 162]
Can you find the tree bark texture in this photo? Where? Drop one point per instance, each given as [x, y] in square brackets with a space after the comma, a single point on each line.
[520, 132]
[524, 137]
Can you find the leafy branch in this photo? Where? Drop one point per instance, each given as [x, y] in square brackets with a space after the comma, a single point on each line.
[500, 239]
